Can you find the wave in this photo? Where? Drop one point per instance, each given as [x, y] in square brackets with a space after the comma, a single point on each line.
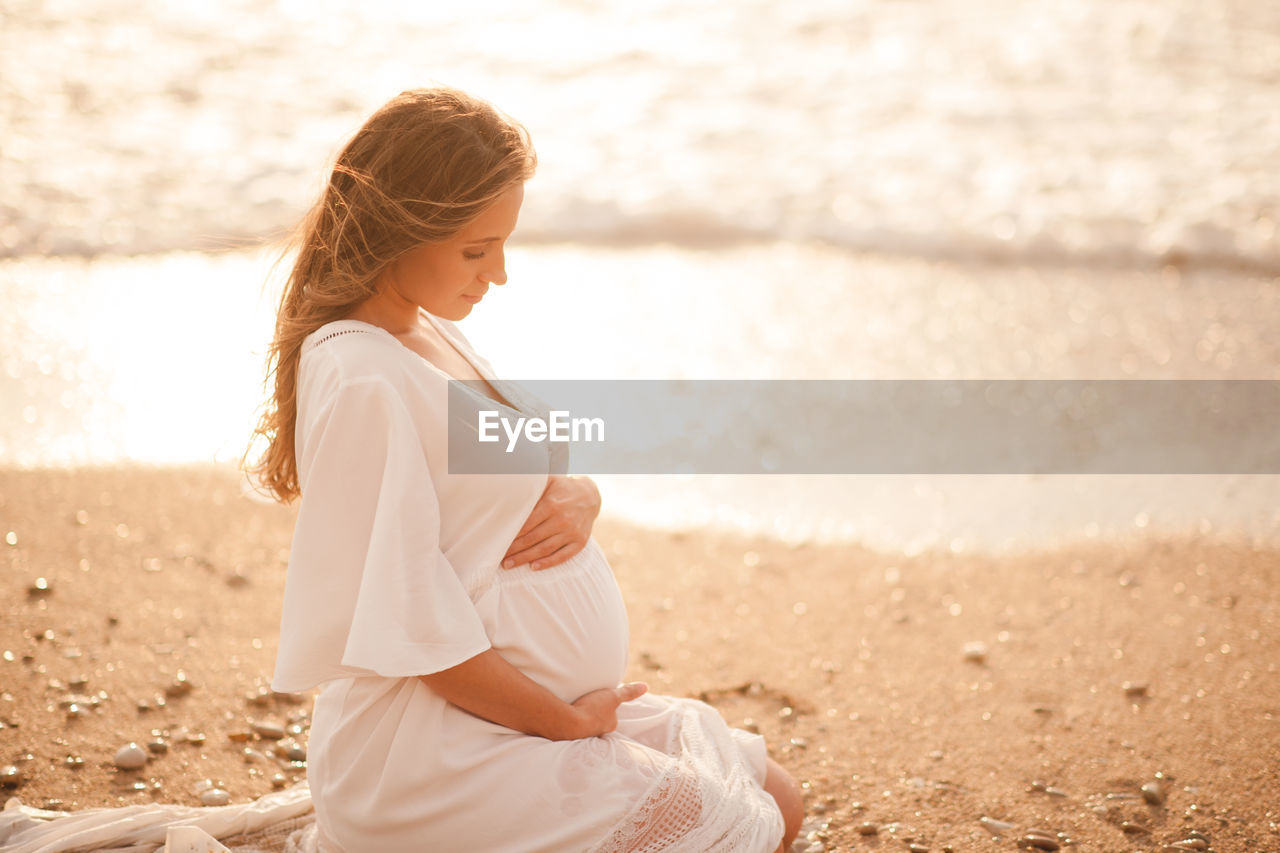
[1136, 133]
[590, 223]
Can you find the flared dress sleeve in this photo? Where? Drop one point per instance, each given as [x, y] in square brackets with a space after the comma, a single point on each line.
[369, 590]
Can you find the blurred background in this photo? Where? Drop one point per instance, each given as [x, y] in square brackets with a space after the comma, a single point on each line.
[812, 189]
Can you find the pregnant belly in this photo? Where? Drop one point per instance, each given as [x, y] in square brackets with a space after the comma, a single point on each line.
[565, 627]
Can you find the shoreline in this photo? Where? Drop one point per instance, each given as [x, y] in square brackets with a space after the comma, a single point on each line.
[913, 694]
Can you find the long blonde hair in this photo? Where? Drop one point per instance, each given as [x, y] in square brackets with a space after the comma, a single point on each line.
[420, 169]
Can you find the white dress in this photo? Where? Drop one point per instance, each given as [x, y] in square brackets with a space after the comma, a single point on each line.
[395, 573]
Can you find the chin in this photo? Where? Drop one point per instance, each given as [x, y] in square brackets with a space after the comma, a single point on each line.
[453, 315]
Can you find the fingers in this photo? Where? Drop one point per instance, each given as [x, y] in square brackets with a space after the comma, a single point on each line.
[541, 511]
[524, 548]
[530, 536]
[556, 557]
[632, 690]
[549, 552]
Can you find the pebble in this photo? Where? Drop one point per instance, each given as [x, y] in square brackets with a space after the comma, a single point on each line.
[1135, 688]
[269, 730]
[1195, 835]
[39, 587]
[976, 652]
[1130, 828]
[291, 750]
[1190, 844]
[10, 776]
[130, 757]
[868, 828]
[279, 781]
[1039, 842]
[1153, 793]
[158, 747]
[196, 738]
[917, 848]
[995, 827]
[215, 797]
[179, 687]
[1055, 792]
[73, 762]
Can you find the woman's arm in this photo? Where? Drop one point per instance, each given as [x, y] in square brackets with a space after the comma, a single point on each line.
[491, 688]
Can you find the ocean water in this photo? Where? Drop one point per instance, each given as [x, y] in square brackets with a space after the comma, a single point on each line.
[835, 190]
[1129, 131]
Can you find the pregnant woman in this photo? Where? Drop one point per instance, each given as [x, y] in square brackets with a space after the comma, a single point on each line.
[471, 697]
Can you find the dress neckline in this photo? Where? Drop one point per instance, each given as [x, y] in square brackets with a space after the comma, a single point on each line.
[350, 326]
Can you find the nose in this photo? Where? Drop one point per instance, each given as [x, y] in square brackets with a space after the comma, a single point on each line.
[496, 271]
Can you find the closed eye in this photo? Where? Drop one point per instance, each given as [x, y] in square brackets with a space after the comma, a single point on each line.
[473, 256]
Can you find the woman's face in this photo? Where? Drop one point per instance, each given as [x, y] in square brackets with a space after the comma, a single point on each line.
[449, 278]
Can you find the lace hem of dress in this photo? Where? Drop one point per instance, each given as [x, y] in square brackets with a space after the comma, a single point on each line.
[707, 801]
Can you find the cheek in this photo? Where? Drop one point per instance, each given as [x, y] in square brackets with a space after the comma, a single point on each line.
[429, 274]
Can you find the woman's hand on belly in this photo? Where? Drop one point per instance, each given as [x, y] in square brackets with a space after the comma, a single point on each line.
[558, 526]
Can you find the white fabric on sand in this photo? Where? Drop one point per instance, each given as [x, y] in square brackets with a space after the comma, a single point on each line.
[276, 823]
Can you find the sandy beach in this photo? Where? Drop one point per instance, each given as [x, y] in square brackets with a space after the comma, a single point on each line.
[913, 696]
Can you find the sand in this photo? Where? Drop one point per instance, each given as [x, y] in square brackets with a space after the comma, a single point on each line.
[1103, 666]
